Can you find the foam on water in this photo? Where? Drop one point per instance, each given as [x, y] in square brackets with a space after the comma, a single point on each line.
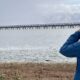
[33, 56]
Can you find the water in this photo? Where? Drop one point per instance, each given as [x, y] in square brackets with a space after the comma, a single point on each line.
[34, 45]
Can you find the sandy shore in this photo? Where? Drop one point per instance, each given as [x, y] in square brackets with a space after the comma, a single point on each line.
[37, 71]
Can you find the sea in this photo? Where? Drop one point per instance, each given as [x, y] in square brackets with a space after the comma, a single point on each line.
[34, 45]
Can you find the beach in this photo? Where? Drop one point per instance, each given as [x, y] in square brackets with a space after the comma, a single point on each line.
[33, 54]
[37, 71]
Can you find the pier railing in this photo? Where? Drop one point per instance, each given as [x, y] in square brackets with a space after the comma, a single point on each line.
[38, 26]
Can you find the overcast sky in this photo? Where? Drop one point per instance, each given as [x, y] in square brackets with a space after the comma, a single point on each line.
[14, 12]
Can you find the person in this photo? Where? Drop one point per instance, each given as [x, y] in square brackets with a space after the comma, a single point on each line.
[71, 48]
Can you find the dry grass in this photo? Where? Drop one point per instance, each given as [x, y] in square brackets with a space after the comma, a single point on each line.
[36, 71]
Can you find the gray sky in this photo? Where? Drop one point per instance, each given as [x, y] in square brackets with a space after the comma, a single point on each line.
[14, 12]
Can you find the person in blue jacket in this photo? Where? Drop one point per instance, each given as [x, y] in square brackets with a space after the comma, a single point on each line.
[71, 48]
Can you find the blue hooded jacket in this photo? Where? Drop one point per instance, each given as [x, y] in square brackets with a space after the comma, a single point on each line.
[71, 48]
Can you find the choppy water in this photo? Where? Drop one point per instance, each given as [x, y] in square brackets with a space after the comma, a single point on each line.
[37, 45]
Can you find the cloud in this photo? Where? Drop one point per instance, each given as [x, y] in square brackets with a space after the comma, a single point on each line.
[53, 8]
[61, 13]
[37, 11]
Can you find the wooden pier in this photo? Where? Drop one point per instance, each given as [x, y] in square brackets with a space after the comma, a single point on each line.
[38, 26]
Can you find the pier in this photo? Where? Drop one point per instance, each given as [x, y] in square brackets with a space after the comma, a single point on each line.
[38, 26]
